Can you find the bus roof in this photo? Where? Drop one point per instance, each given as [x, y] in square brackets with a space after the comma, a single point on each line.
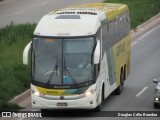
[78, 20]
[110, 9]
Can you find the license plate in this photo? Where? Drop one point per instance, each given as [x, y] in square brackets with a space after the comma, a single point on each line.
[62, 104]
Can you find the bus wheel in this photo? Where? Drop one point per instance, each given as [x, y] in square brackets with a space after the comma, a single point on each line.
[156, 105]
[119, 90]
[99, 107]
[44, 110]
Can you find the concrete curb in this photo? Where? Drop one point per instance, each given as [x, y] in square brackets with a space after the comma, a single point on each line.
[21, 97]
[151, 23]
[144, 27]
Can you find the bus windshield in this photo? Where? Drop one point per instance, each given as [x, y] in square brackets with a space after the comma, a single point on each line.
[63, 61]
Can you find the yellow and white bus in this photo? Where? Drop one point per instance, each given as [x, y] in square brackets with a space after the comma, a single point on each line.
[79, 56]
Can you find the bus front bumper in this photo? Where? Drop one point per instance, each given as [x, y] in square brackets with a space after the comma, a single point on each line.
[86, 102]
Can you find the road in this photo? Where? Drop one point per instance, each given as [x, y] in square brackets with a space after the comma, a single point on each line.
[22, 11]
[138, 89]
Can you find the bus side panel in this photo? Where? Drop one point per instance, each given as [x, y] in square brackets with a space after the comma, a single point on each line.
[122, 57]
[111, 66]
[106, 72]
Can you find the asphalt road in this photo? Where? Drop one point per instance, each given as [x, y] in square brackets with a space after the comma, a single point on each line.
[22, 11]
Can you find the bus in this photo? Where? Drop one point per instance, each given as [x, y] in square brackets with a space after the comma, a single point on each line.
[79, 56]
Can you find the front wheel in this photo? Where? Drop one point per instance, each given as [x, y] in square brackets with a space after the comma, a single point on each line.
[99, 107]
[44, 110]
[156, 105]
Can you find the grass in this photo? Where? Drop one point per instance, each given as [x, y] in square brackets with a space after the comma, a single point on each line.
[9, 107]
[14, 76]
[140, 10]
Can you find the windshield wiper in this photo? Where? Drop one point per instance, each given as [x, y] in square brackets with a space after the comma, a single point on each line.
[55, 68]
[70, 75]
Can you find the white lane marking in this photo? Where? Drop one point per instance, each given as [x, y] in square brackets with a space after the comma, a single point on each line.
[138, 94]
[44, 3]
[20, 12]
[134, 43]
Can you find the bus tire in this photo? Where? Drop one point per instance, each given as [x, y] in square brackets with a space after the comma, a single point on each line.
[44, 110]
[124, 73]
[99, 107]
[156, 105]
[119, 90]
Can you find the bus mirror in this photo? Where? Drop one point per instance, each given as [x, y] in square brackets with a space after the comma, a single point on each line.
[25, 53]
[97, 53]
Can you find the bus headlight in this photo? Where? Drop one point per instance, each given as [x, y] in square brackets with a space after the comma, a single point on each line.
[88, 93]
[36, 93]
[156, 99]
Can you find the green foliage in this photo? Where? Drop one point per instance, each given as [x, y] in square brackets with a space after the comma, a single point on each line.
[140, 10]
[14, 76]
[16, 33]
[14, 79]
[13, 39]
[4, 106]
